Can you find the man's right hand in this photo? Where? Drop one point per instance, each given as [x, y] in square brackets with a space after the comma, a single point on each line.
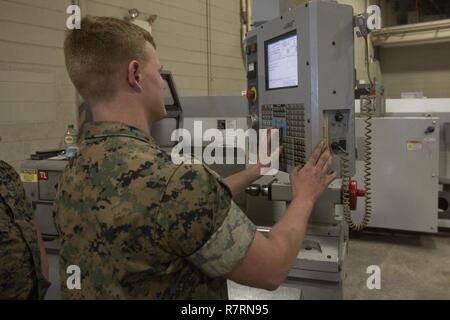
[311, 180]
[275, 252]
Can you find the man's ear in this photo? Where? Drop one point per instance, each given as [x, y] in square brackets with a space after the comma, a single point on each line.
[134, 75]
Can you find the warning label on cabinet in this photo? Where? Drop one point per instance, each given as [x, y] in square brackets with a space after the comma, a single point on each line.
[414, 145]
[29, 176]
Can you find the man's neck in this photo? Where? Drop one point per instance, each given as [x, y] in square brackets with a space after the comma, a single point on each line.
[124, 112]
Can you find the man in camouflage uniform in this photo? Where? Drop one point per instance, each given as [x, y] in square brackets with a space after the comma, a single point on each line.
[151, 220]
[23, 262]
[139, 226]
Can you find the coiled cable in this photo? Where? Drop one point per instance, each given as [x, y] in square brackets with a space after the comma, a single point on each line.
[346, 175]
[368, 111]
[345, 172]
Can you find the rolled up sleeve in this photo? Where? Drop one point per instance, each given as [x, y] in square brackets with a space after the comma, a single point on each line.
[201, 222]
[227, 246]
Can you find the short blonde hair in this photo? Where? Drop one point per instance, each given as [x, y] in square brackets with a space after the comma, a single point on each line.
[96, 53]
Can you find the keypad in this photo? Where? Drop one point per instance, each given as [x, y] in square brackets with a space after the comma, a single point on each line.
[291, 120]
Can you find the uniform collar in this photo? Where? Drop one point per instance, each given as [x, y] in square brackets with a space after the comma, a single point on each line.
[92, 130]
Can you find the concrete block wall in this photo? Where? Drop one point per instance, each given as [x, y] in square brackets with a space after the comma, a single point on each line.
[421, 68]
[37, 99]
[181, 37]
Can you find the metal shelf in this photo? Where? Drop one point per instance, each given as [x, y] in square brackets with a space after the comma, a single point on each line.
[412, 34]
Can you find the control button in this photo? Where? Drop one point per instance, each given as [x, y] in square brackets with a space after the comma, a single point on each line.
[251, 67]
[251, 94]
[254, 48]
[252, 121]
[248, 50]
[339, 117]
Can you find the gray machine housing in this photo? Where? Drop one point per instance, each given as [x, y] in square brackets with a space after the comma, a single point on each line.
[405, 163]
[322, 107]
[42, 194]
[326, 78]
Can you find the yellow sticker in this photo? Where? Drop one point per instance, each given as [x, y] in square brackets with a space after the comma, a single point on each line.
[29, 176]
[414, 145]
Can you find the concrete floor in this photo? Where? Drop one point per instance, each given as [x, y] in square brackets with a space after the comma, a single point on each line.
[412, 266]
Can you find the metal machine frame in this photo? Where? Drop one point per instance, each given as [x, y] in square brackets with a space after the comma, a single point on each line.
[323, 104]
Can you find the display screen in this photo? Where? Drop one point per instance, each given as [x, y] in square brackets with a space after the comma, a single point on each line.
[282, 62]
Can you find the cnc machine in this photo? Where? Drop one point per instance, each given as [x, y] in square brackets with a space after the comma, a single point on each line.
[301, 80]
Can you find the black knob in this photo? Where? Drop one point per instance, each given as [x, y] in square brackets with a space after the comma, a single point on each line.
[335, 147]
[430, 129]
[338, 117]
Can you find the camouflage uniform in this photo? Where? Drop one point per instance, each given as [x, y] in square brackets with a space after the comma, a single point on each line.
[141, 227]
[20, 262]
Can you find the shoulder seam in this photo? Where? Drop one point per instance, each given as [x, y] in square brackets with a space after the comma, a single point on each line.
[168, 181]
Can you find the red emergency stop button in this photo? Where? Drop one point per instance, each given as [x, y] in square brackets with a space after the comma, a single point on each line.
[251, 94]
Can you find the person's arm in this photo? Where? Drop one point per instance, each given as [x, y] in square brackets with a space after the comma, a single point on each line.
[238, 182]
[43, 254]
[275, 254]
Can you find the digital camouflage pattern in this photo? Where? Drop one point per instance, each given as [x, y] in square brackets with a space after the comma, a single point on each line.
[141, 227]
[20, 262]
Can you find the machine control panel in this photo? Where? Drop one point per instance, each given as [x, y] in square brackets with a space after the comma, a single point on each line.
[336, 126]
[301, 80]
[290, 120]
[252, 80]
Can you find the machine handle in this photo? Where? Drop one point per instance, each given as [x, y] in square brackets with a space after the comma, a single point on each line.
[354, 194]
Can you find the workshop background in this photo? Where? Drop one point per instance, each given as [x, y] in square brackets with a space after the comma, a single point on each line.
[198, 40]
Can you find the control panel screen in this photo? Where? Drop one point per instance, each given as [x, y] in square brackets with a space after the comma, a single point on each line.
[282, 62]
